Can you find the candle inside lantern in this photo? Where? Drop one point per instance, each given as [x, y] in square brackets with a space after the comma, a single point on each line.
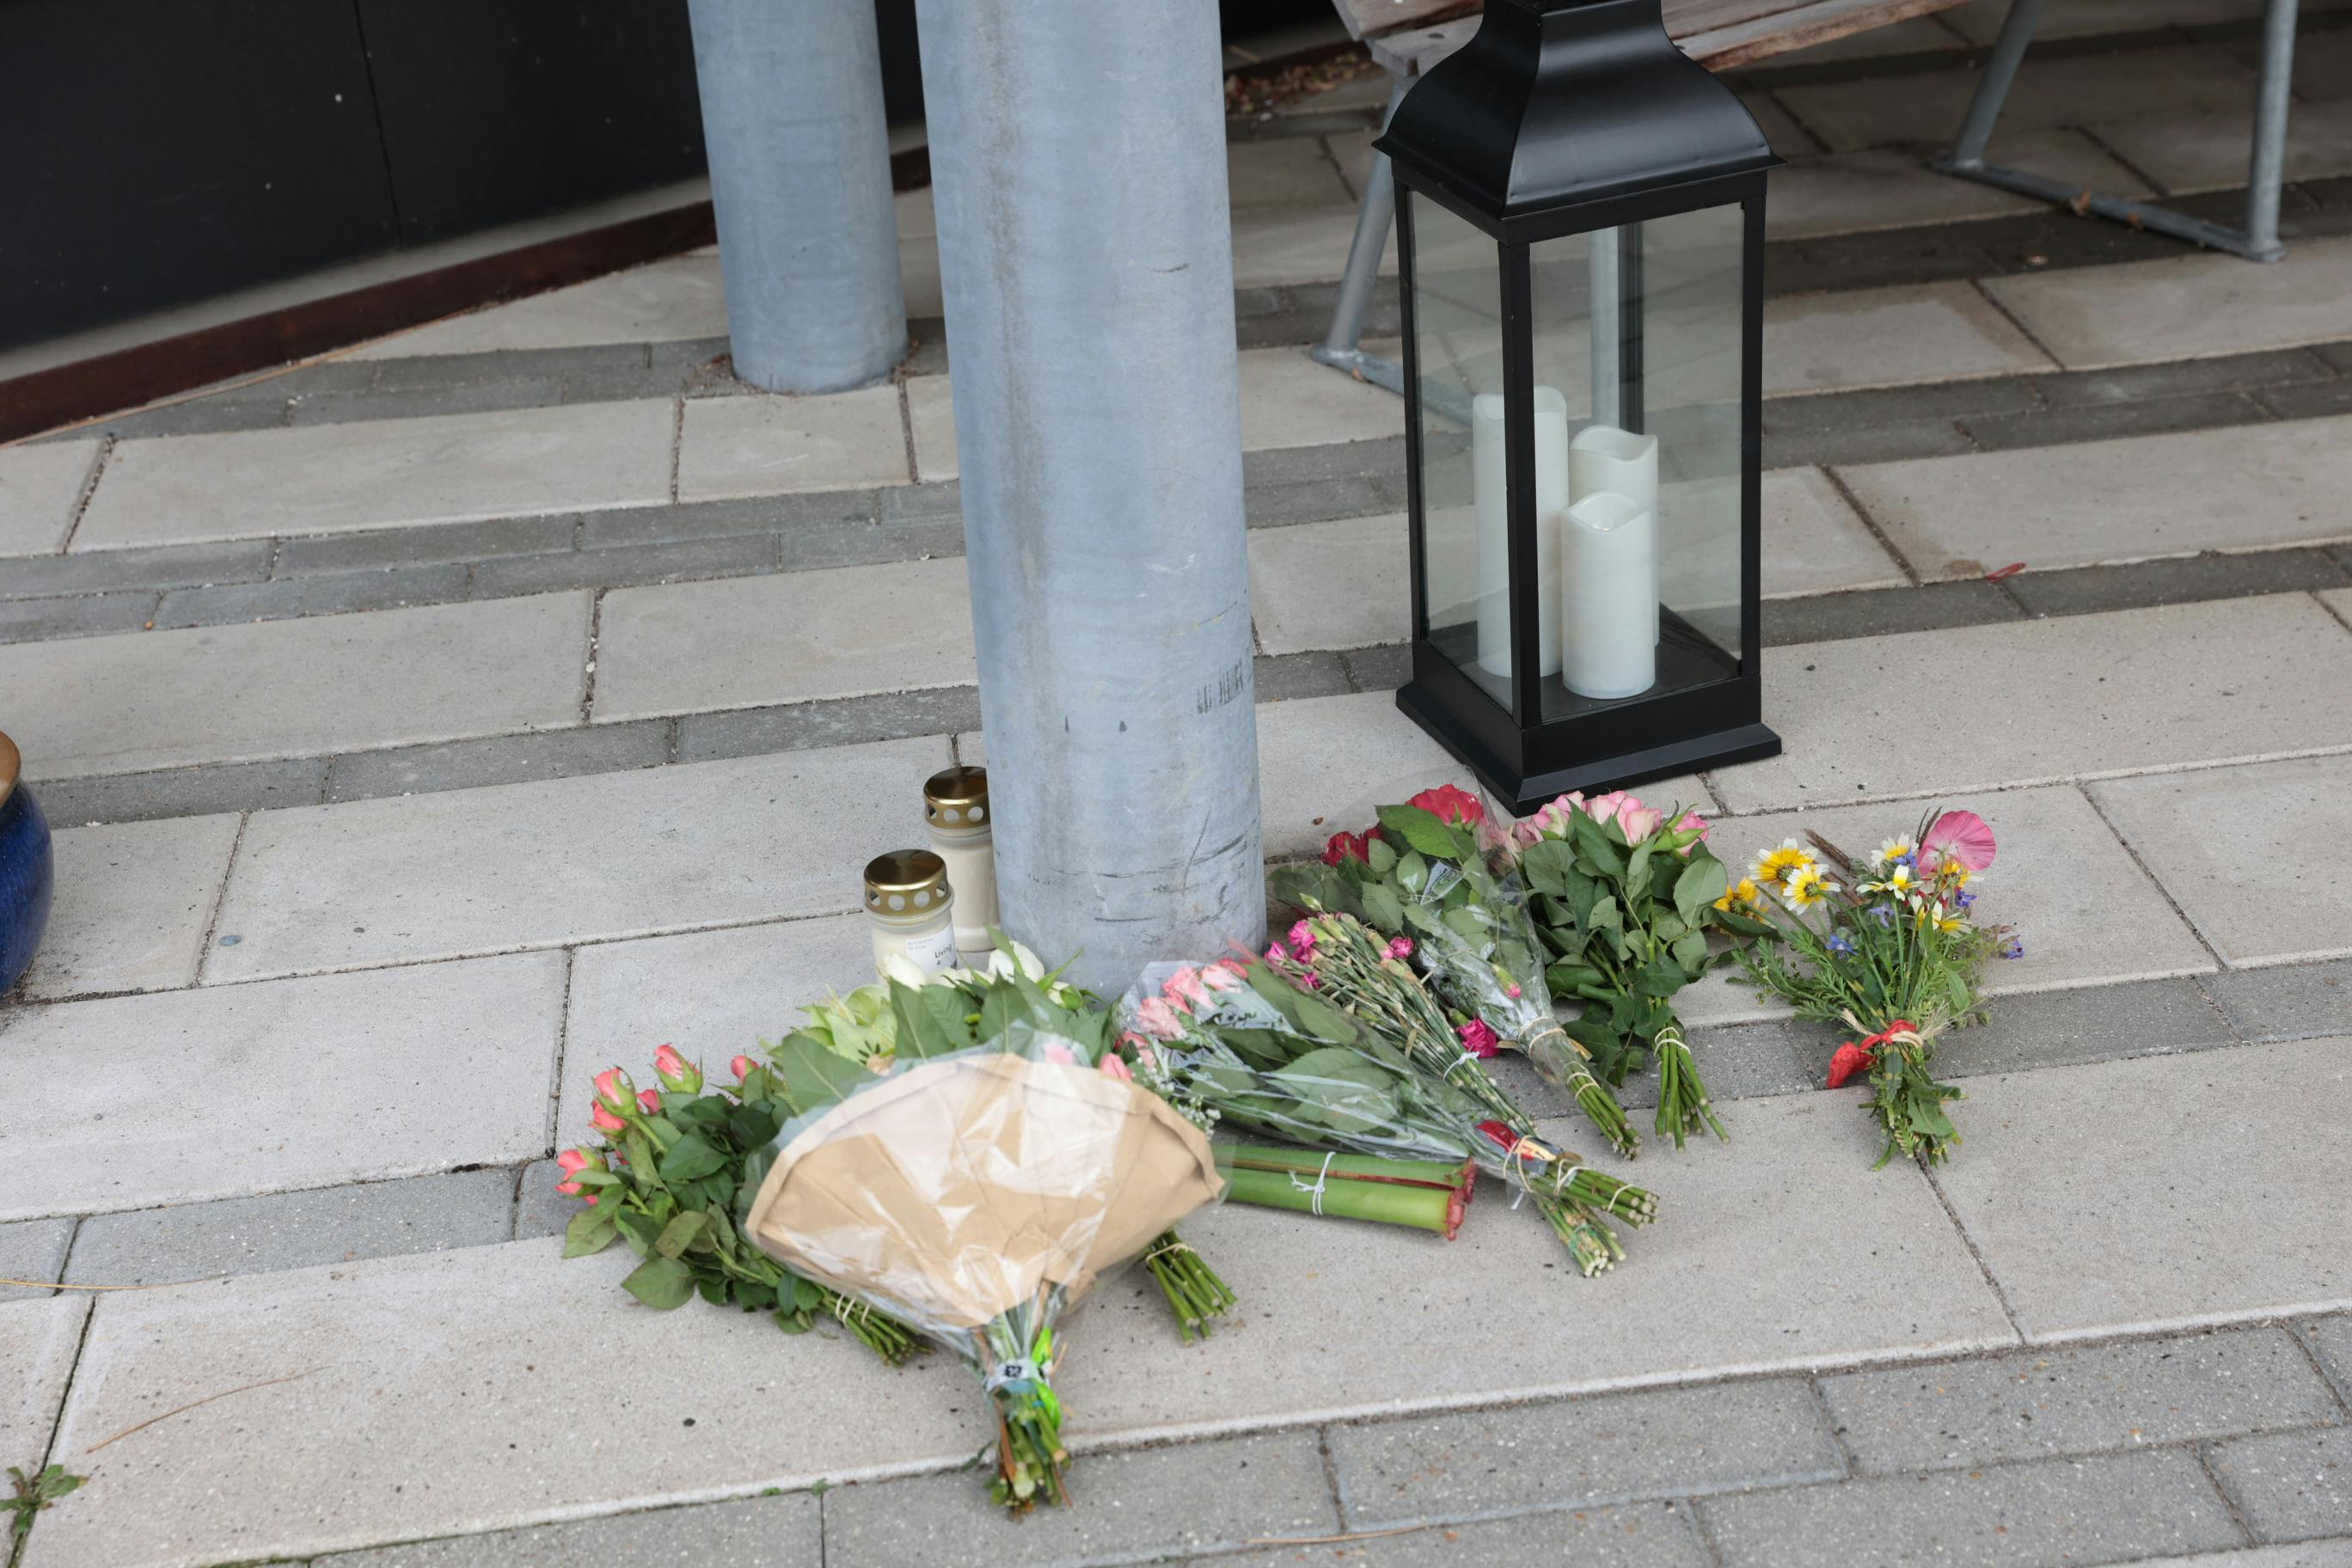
[1492, 490]
[1609, 588]
[1605, 458]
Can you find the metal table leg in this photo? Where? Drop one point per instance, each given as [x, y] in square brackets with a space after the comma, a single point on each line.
[2257, 241]
[1342, 347]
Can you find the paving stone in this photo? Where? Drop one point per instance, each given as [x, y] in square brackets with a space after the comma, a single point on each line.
[2108, 422]
[1151, 1504]
[713, 995]
[686, 354]
[1659, 1442]
[924, 501]
[762, 445]
[2099, 1509]
[2330, 1340]
[404, 372]
[461, 467]
[1738, 1061]
[2050, 92]
[40, 490]
[2307, 1555]
[329, 1070]
[1814, 542]
[170, 567]
[1848, 192]
[799, 637]
[78, 615]
[1293, 675]
[2317, 400]
[2168, 687]
[557, 860]
[295, 1230]
[500, 759]
[195, 416]
[2113, 500]
[37, 1342]
[716, 518]
[1331, 585]
[755, 1532]
[121, 704]
[1379, 668]
[1870, 407]
[1316, 501]
[2180, 581]
[331, 593]
[482, 397]
[2035, 1405]
[1284, 172]
[1979, 21]
[931, 421]
[677, 297]
[1278, 245]
[1382, 461]
[1645, 1536]
[1831, 617]
[625, 565]
[131, 904]
[2200, 832]
[2054, 1028]
[33, 1249]
[2178, 309]
[420, 546]
[185, 792]
[2290, 1485]
[1868, 444]
[2178, 378]
[2219, 1171]
[2300, 1002]
[808, 726]
[540, 1209]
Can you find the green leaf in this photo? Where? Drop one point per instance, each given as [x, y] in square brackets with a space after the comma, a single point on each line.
[1413, 871]
[691, 1158]
[814, 1075]
[589, 1231]
[663, 1283]
[1592, 842]
[639, 1229]
[1383, 911]
[1423, 831]
[1703, 881]
[931, 1020]
[1312, 886]
[678, 1233]
[1379, 857]
[1546, 866]
[1660, 977]
[1637, 872]
[1690, 952]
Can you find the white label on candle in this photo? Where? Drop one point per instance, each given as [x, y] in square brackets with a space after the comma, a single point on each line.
[1608, 586]
[1603, 459]
[1490, 485]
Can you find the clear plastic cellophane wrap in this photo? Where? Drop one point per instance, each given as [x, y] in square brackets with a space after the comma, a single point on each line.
[977, 1196]
[1474, 938]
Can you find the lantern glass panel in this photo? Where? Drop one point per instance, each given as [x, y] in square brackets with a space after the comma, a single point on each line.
[1637, 358]
[1457, 322]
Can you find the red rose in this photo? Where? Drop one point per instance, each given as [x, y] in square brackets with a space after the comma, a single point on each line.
[1448, 804]
[1343, 847]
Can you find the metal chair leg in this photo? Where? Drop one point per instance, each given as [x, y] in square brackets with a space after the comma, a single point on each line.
[1342, 348]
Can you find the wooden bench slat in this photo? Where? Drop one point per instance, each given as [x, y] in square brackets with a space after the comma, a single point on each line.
[1718, 33]
[1378, 19]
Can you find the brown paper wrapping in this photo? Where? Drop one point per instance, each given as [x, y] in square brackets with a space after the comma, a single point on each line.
[957, 1190]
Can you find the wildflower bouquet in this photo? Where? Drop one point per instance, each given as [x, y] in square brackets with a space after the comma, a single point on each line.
[1627, 896]
[1437, 879]
[1348, 965]
[976, 1188]
[1887, 946]
[664, 1181]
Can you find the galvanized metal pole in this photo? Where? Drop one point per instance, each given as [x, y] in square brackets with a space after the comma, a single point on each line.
[1079, 159]
[800, 171]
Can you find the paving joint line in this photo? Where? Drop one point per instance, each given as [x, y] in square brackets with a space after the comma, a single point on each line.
[1331, 1476]
[2201, 1451]
[1984, 1267]
[1832, 471]
[676, 449]
[906, 432]
[2311, 1354]
[562, 1053]
[1835, 1433]
[2140, 861]
[220, 901]
[1696, 1521]
[588, 676]
[88, 490]
[2332, 612]
[57, 1423]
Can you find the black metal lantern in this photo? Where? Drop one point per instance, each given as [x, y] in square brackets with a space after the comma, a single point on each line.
[1581, 222]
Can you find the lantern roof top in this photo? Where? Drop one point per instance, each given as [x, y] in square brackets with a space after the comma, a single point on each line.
[1557, 102]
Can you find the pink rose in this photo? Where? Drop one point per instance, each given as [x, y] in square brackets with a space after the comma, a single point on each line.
[1156, 1018]
[1603, 807]
[1692, 822]
[614, 1088]
[1553, 817]
[573, 1162]
[1225, 975]
[1527, 832]
[741, 1066]
[1114, 1068]
[1637, 820]
[675, 1072]
[604, 1120]
[1479, 1039]
[649, 1101]
[1185, 986]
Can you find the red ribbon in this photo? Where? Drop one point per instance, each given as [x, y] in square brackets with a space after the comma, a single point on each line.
[1852, 1057]
[1501, 1134]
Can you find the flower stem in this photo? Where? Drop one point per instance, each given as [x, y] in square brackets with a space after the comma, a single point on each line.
[1194, 1292]
[1683, 1107]
[1430, 1208]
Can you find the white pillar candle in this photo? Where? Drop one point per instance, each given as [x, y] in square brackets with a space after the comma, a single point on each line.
[1608, 585]
[1491, 487]
[1605, 458]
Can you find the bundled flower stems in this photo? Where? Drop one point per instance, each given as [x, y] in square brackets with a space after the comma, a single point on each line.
[1437, 879]
[1426, 1194]
[1887, 946]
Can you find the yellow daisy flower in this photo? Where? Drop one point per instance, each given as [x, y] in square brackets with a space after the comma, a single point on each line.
[1806, 888]
[1779, 865]
[1937, 915]
[1899, 882]
[1745, 895]
[1892, 849]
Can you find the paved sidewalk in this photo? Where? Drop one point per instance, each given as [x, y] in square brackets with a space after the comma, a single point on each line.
[427, 729]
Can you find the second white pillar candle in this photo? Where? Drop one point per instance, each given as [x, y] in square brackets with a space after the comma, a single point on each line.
[1491, 487]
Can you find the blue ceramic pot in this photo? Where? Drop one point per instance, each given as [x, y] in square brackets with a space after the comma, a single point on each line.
[25, 869]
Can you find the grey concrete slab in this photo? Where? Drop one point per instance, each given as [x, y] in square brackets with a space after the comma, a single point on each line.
[33, 1249]
[389, 373]
[2330, 1340]
[1315, 501]
[780, 1532]
[1642, 1535]
[540, 1209]
[461, 467]
[2335, 1553]
[2115, 421]
[1884, 406]
[2298, 1002]
[500, 758]
[2197, 831]
[332, 593]
[2174, 686]
[1885, 337]
[847, 721]
[677, 297]
[2103, 1023]
[2182, 307]
[2227, 1215]
[799, 637]
[1278, 245]
[2103, 1509]
[2290, 1486]
[1855, 191]
[423, 546]
[2207, 151]
[623, 565]
[762, 445]
[1379, 668]
[1282, 171]
[168, 566]
[130, 906]
[557, 860]
[1869, 444]
[332, 1070]
[185, 792]
[713, 995]
[1147, 1505]
[478, 397]
[294, 1230]
[1832, 618]
[2181, 581]
[1579, 1453]
[37, 1342]
[41, 491]
[1284, 677]
[77, 616]
[249, 693]
[1331, 585]
[2128, 500]
[813, 510]
[2178, 378]
[2048, 1403]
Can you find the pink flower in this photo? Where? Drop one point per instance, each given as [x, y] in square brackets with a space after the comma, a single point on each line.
[604, 1120]
[1527, 832]
[741, 1066]
[1156, 1018]
[592, 1200]
[1553, 817]
[649, 1101]
[1603, 807]
[1964, 836]
[1225, 975]
[675, 1072]
[1448, 804]
[1114, 1068]
[1059, 1054]
[1637, 820]
[1512, 991]
[1277, 954]
[1401, 947]
[1186, 989]
[614, 1088]
[573, 1161]
[1147, 1056]
[1302, 940]
[1311, 981]
[1692, 822]
[1479, 1039]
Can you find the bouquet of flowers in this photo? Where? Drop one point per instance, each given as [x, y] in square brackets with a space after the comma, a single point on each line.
[664, 1181]
[1437, 875]
[1889, 947]
[1626, 897]
[977, 1188]
[1347, 966]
